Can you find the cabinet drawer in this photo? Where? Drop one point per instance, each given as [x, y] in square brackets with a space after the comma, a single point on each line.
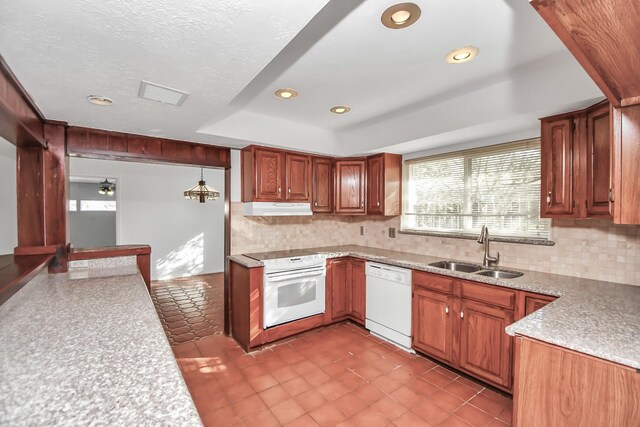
[433, 282]
[492, 295]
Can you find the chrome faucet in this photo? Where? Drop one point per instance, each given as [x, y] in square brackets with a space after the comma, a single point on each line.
[488, 260]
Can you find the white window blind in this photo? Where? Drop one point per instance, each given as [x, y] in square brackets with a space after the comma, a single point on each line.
[460, 192]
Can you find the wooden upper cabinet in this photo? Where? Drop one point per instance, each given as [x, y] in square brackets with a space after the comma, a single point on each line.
[322, 185]
[384, 184]
[485, 348]
[350, 186]
[598, 159]
[268, 175]
[432, 325]
[576, 164]
[557, 158]
[297, 168]
[626, 158]
[358, 290]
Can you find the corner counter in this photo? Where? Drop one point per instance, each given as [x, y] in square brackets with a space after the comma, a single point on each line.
[87, 348]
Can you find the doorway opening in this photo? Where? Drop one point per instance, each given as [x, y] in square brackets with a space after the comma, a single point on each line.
[93, 205]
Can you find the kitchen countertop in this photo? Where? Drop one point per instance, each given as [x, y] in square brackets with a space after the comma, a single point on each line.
[87, 348]
[591, 316]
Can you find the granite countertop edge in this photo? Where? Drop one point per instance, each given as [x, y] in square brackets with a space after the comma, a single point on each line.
[593, 317]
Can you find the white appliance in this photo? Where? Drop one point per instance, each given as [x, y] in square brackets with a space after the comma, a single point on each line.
[389, 304]
[294, 288]
[276, 209]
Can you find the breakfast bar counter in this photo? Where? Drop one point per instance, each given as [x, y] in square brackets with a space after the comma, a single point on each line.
[87, 348]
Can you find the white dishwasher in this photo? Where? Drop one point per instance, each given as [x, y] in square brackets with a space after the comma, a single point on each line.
[389, 303]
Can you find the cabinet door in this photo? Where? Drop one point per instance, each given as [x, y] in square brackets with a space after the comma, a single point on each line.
[297, 168]
[340, 305]
[557, 158]
[485, 348]
[358, 289]
[268, 172]
[375, 185]
[322, 185]
[350, 186]
[432, 323]
[598, 146]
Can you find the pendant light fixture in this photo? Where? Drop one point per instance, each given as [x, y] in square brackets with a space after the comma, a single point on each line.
[202, 191]
[106, 187]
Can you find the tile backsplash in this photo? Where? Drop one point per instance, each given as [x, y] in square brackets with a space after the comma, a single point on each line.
[594, 249]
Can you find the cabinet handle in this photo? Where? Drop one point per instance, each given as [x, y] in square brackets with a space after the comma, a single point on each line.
[611, 194]
[462, 313]
[315, 203]
[446, 309]
[361, 205]
[378, 204]
[278, 190]
[289, 190]
[549, 199]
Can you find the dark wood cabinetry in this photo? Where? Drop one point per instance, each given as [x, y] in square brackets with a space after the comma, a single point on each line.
[462, 323]
[558, 161]
[358, 290]
[485, 348]
[384, 184]
[350, 186]
[346, 287]
[322, 184]
[576, 164]
[268, 175]
[274, 176]
[432, 323]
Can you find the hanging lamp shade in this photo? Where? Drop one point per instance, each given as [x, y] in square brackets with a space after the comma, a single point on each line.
[106, 187]
[202, 191]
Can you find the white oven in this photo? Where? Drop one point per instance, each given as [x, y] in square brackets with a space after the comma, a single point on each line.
[294, 288]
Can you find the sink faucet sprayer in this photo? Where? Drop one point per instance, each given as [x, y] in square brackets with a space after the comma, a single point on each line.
[484, 238]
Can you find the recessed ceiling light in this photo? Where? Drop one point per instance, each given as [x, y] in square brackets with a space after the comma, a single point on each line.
[340, 109]
[400, 15]
[286, 93]
[99, 100]
[462, 54]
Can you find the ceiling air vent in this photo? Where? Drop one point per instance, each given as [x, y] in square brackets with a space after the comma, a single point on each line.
[159, 93]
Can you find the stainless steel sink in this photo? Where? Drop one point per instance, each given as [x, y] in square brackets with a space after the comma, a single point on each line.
[457, 266]
[500, 274]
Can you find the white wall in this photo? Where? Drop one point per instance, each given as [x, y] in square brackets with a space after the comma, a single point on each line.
[236, 177]
[8, 199]
[186, 237]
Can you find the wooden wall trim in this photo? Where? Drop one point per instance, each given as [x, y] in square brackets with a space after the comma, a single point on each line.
[17, 271]
[21, 123]
[110, 145]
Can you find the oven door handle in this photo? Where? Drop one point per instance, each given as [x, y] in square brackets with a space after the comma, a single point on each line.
[282, 278]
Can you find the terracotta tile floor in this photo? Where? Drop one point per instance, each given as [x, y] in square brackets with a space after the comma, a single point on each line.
[339, 375]
[190, 308]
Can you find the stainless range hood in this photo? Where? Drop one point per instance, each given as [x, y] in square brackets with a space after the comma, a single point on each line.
[276, 209]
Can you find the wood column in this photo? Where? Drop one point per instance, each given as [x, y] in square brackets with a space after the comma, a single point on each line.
[56, 184]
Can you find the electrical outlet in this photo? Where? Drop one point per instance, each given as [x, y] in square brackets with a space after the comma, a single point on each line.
[82, 263]
[392, 233]
[362, 230]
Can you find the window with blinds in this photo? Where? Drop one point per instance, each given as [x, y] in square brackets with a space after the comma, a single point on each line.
[458, 193]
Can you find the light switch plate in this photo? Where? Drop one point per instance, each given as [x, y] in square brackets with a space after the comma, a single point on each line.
[362, 230]
[392, 232]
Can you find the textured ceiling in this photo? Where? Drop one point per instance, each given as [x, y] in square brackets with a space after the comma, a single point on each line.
[232, 55]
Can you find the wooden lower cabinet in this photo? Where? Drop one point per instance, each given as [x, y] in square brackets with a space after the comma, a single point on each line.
[485, 348]
[346, 290]
[358, 290]
[432, 324]
[455, 322]
[562, 388]
[338, 290]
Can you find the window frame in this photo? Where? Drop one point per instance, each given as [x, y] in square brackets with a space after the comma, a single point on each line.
[465, 233]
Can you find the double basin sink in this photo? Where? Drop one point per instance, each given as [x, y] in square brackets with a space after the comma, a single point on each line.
[465, 267]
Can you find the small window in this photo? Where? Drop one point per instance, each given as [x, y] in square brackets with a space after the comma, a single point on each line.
[458, 193]
[98, 205]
